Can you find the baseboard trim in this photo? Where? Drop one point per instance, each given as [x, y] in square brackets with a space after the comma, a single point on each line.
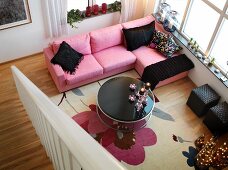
[20, 58]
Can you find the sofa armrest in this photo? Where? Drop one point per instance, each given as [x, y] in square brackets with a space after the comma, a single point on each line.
[56, 71]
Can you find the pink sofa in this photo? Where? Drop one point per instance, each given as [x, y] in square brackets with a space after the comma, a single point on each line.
[104, 55]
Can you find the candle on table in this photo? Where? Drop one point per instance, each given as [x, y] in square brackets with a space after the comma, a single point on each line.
[142, 91]
[147, 86]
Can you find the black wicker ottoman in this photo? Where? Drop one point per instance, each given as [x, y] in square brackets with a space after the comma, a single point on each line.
[202, 99]
[217, 118]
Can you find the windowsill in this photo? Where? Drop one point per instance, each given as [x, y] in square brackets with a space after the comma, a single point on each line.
[83, 17]
[212, 68]
[99, 14]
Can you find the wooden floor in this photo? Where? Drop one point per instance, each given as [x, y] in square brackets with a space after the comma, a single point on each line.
[20, 147]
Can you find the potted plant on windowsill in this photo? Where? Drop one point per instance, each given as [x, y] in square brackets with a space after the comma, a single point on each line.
[74, 16]
[211, 62]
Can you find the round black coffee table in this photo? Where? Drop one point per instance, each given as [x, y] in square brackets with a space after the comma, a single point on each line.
[114, 108]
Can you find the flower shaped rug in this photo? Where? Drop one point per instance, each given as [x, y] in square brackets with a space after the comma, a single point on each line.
[125, 146]
[174, 138]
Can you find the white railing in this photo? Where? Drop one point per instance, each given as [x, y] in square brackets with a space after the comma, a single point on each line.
[66, 143]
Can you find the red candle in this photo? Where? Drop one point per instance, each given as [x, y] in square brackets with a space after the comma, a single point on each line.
[104, 8]
[95, 9]
[88, 11]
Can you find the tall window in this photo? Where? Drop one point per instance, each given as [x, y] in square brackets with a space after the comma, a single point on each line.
[178, 5]
[82, 4]
[77, 4]
[99, 2]
[219, 48]
[200, 23]
[206, 21]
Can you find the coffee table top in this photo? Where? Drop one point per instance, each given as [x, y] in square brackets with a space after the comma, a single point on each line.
[113, 100]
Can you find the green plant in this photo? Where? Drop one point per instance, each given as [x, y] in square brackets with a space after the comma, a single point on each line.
[212, 60]
[116, 6]
[74, 16]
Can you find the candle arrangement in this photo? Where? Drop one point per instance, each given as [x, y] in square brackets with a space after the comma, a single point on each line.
[209, 155]
[139, 96]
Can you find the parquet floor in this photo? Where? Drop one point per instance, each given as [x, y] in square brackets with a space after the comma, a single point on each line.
[20, 147]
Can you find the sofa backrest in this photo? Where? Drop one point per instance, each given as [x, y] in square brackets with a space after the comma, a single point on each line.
[106, 37]
[81, 43]
[138, 22]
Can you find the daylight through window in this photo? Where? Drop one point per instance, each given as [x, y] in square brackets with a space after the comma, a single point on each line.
[206, 22]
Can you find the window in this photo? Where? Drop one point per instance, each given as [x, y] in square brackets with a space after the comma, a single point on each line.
[178, 5]
[99, 2]
[219, 3]
[206, 21]
[219, 50]
[201, 23]
[82, 4]
[77, 4]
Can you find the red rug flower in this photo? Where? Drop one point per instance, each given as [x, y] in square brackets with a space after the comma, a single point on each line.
[125, 146]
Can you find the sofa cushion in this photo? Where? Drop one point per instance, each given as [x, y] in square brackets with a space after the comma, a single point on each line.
[168, 47]
[139, 36]
[67, 58]
[114, 58]
[106, 38]
[87, 69]
[165, 43]
[146, 56]
[138, 22]
[159, 37]
[80, 43]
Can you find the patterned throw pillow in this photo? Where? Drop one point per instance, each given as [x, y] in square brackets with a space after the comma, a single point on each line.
[168, 47]
[158, 37]
[164, 43]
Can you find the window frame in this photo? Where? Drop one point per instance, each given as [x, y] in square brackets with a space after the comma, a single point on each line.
[223, 14]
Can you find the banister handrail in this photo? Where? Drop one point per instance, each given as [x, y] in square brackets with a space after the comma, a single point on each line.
[89, 153]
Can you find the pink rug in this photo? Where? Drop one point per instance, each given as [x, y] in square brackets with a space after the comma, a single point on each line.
[125, 146]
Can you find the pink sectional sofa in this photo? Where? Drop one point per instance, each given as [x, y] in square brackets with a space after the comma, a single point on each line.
[104, 55]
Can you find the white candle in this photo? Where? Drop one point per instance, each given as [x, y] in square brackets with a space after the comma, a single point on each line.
[170, 26]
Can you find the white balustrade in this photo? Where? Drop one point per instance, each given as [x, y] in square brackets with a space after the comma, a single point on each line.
[68, 146]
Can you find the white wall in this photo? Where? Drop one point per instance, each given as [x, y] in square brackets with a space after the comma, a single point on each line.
[201, 75]
[31, 38]
[94, 23]
[23, 40]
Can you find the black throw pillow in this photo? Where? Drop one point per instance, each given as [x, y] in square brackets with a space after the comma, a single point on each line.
[139, 36]
[67, 58]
